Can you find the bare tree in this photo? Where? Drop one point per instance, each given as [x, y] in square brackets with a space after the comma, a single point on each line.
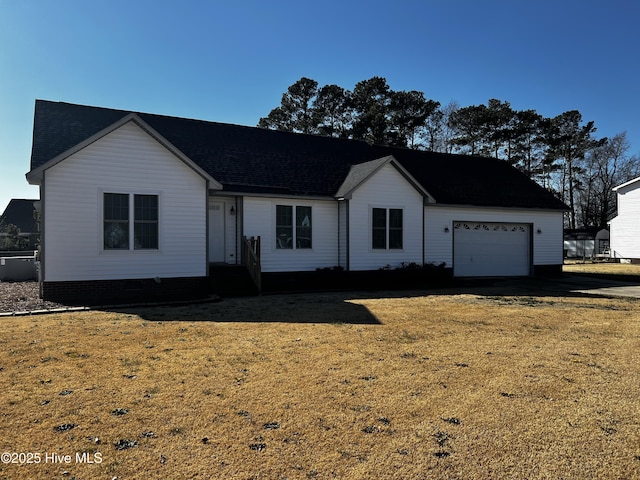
[437, 133]
[605, 167]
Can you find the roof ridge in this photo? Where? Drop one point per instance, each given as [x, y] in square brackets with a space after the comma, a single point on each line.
[266, 160]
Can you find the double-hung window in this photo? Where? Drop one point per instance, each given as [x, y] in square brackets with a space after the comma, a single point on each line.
[127, 217]
[145, 223]
[293, 227]
[116, 221]
[386, 228]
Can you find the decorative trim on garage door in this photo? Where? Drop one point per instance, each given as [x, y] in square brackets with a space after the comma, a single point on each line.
[505, 227]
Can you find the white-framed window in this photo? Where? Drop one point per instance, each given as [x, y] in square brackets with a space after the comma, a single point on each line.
[130, 221]
[386, 228]
[293, 227]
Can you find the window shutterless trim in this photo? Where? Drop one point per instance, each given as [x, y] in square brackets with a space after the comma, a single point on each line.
[294, 227]
[387, 228]
[130, 221]
[395, 229]
[116, 230]
[145, 222]
[379, 228]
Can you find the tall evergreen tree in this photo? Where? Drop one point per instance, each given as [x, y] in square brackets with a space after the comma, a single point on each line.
[333, 112]
[295, 114]
[526, 143]
[468, 125]
[409, 112]
[370, 100]
[568, 142]
[495, 128]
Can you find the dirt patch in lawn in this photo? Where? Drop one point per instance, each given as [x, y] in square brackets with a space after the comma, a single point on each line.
[327, 386]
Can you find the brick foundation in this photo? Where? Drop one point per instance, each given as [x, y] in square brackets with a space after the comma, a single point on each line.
[108, 292]
[547, 270]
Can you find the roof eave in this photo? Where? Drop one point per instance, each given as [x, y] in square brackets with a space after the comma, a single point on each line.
[626, 184]
[501, 207]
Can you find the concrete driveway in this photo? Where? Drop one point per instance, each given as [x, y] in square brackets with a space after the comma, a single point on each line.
[566, 285]
[590, 285]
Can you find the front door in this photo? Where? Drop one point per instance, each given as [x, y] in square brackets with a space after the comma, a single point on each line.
[216, 232]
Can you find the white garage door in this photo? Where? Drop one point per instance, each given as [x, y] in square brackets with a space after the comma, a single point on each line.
[485, 249]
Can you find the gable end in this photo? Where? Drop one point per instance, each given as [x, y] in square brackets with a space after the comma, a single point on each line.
[34, 177]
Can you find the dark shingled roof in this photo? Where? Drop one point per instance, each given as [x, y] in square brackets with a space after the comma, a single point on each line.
[20, 212]
[255, 160]
[473, 180]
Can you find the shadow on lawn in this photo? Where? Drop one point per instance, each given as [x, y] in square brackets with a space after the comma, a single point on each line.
[336, 307]
[295, 308]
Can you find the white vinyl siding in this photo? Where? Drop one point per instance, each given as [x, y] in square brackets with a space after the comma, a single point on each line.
[259, 218]
[546, 230]
[625, 227]
[386, 189]
[127, 160]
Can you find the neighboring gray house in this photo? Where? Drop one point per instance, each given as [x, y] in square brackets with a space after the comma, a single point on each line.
[625, 226]
[149, 202]
[22, 213]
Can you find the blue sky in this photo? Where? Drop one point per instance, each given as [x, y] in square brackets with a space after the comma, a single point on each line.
[231, 61]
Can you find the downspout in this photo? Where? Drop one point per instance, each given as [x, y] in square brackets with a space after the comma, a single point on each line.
[424, 231]
[206, 223]
[348, 266]
[42, 236]
[532, 267]
[236, 230]
[338, 216]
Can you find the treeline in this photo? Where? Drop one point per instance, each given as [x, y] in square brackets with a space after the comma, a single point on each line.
[561, 153]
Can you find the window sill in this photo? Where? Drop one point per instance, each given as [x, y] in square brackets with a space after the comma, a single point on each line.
[145, 251]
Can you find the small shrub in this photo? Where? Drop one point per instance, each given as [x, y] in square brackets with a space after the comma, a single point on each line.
[65, 427]
[124, 444]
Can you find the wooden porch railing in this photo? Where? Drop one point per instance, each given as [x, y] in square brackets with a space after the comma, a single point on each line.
[251, 259]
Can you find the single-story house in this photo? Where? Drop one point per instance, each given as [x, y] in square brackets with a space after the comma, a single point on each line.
[136, 201]
[625, 226]
[22, 213]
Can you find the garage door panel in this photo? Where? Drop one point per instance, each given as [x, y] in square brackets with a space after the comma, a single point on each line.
[491, 249]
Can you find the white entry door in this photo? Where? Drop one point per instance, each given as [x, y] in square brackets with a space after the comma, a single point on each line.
[486, 249]
[216, 232]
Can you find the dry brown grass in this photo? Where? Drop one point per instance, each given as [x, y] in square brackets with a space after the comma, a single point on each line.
[622, 269]
[330, 386]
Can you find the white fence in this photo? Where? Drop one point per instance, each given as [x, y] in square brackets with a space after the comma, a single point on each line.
[18, 268]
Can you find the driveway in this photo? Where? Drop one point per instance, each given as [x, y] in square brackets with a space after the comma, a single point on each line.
[566, 285]
[592, 285]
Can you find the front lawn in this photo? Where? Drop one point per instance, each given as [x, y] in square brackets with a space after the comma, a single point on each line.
[455, 386]
[603, 268]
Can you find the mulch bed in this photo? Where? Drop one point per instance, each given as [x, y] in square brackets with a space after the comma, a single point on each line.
[22, 297]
